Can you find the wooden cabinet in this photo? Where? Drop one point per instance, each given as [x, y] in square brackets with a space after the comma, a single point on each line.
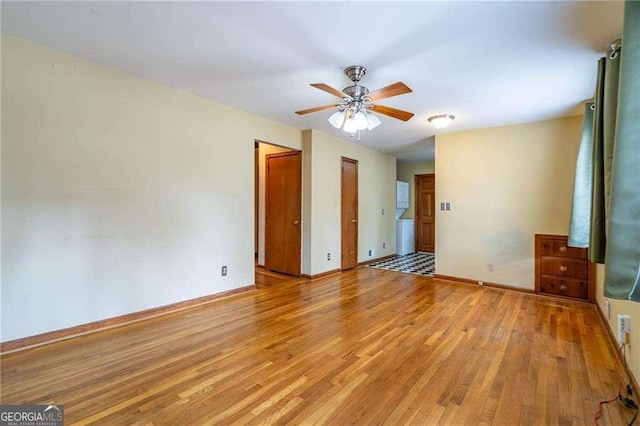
[562, 270]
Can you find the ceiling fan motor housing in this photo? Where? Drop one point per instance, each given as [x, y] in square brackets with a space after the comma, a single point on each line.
[356, 92]
[355, 72]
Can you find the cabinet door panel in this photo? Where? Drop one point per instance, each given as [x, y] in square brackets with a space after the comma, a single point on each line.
[565, 287]
[560, 248]
[564, 267]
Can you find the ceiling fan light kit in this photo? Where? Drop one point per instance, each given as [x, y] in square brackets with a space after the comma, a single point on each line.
[355, 111]
[337, 119]
[372, 121]
[441, 121]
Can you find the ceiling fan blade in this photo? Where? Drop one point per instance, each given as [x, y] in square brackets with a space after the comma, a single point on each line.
[394, 89]
[392, 112]
[316, 109]
[329, 89]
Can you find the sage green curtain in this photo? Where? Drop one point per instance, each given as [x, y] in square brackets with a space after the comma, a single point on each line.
[606, 202]
[580, 227]
[592, 187]
[622, 271]
[597, 237]
[604, 133]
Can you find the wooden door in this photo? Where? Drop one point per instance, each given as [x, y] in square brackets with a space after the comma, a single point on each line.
[349, 208]
[426, 213]
[283, 210]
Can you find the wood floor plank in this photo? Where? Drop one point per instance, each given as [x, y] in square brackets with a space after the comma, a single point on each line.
[366, 346]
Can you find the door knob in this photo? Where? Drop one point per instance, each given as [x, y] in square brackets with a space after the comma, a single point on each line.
[354, 220]
[295, 222]
[563, 268]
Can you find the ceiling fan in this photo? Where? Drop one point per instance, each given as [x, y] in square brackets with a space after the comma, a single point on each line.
[354, 112]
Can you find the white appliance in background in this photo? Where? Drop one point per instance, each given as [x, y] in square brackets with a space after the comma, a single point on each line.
[402, 196]
[404, 237]
[404, 227]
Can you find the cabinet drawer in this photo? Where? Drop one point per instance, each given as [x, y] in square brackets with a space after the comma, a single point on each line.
[565, 287]
[561, 249]
[564, 267]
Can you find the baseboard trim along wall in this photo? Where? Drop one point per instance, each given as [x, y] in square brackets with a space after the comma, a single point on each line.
[321, 275]
[613, 346]
[484, 283]
[119, 321]
[378, 259]
[337, 271]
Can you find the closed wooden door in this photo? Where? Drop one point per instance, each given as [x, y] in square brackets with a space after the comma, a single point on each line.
[426, 213]
[283, 210]
[349, 208]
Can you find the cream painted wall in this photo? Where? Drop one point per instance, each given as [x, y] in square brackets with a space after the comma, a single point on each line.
[406, 173]
[621, 307]
[307, 174]
[264, 150]
[118, 194]
[376, 191]
[505, 185]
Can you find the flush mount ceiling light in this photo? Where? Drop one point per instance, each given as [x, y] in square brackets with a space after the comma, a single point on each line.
[355, 111]
[441, 120]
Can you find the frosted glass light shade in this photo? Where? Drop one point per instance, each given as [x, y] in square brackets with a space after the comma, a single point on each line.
[353, 119]
[372, 121]
[349, 126]
[337, 119]
[360, 120]
[442, 120]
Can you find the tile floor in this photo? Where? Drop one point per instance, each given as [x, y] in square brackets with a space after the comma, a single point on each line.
[414, 263]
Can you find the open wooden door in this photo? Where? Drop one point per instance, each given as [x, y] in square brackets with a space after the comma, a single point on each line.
[283, 210]
[426, 213]
[349, 208]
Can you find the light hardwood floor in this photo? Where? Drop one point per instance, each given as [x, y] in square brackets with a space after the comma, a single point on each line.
[367, 346]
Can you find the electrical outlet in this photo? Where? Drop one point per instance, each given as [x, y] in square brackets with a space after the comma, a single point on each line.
[370, 253]
[441, 206]
[224, 271]
[448, 206]
[624, 327]
[328, 256]
[384, 246]
[382, 212]
[490, 267]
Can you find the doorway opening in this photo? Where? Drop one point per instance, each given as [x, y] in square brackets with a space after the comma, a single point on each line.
[422, 261]
[278, 208]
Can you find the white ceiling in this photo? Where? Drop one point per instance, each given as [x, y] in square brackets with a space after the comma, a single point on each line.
[489, 63]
